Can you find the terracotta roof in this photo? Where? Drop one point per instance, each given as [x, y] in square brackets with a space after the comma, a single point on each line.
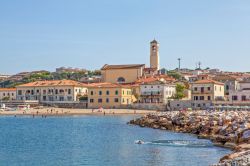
[108, 67]
[155, 78]
[108, 85]
[7, 89]
[208, 82]
[53, 83]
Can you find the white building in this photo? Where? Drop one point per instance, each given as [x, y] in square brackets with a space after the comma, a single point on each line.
[7, 93]
[52, 91]
[242, 93]
[156, 91]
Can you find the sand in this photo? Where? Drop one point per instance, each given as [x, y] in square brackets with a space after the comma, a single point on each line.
[66, 111]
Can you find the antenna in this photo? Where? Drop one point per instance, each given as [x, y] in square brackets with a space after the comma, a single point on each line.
[199, 63]
[179, 59]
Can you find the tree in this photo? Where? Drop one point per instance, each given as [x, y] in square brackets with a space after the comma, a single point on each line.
[174, 74]
[179, 91]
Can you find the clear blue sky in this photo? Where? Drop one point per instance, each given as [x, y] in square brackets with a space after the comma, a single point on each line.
[46, 34]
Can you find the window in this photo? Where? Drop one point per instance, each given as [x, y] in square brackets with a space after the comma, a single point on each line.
[196, 98]
[121, 80]
[116, 100]
[123, 100]
[69, 91]
[209, 98]
[91, 100]
[234, 98]
[152, 87]
[215, 87]
[243, 98]
[208, 88]
[100, 93]
[91, 93]
[12, 94]
[123, 92]
[56, 91]
[202, 89]
[19, 92]
[107, 100]
[3, 94]
[201, 97]
[107, 92]
[116, 92]
[227, 87]
[37, 91]
[195, 89]
[99, 100]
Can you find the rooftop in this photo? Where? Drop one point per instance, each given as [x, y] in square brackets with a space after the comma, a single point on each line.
[128, 66]
[53, 83]
[208, 82]
[108, 85]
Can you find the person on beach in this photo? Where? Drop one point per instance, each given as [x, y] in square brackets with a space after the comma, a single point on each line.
[51, 111]
[33, 115]
[104, 113]
[37, 112]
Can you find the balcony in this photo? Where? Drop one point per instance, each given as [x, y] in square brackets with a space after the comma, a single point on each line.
[156, 93]
[202, 92]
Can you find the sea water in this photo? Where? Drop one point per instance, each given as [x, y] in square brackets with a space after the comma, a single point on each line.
[97, 141]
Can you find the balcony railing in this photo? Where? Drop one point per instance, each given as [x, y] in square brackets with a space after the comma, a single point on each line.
[152, 93]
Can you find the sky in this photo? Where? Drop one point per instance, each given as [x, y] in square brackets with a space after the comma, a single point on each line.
[46, 34]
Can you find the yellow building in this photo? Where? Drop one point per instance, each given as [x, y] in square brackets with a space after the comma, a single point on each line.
[7, 93]
[122, 73]
[207, 90]
[132, 72]
[108, 95]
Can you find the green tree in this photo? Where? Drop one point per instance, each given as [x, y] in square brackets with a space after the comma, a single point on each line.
[174, 74]
[179, 91]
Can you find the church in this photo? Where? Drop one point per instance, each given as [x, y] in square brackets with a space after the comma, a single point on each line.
[130, 73]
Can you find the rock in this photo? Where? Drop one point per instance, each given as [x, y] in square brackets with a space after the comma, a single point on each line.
[230, 145]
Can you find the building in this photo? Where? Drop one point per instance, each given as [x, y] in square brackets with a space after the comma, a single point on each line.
[122, 73]
[4, 77]
[156, 91]
[52, 91]
[131, 72]
[7, 94]
[230, 82]
[109, 95]
[204, 91]
[70, 70]
[241, 93]
[154, 55]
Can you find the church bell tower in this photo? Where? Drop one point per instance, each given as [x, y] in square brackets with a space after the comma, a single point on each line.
[154, 55]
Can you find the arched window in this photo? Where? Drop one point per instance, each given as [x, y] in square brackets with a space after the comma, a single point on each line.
[121, 80]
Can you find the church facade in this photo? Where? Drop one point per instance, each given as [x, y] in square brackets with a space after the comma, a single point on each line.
[132, 72]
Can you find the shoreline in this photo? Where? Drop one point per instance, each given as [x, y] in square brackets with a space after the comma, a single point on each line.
[218, 127]
[50, 111]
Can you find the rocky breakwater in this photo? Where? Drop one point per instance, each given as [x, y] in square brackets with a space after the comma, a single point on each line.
[224, 128]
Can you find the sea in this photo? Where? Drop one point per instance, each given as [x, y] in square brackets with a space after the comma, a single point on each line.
[98, 141]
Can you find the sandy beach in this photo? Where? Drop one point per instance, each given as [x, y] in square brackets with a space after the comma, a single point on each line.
[50, 111]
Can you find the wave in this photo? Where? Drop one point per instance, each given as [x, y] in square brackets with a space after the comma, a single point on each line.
[181, 143]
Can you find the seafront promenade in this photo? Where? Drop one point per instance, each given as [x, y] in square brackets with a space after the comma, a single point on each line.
[50, 111]
[229, 129]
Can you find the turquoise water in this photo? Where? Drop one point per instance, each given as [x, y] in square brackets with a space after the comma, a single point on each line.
[97, 141]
